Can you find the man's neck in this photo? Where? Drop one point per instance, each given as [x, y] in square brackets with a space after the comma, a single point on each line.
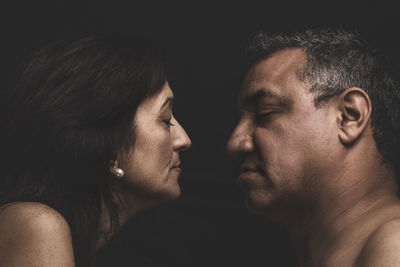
[322, 228]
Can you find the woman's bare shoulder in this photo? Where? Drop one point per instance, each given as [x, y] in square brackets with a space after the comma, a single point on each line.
[33, 233]
[29, 212]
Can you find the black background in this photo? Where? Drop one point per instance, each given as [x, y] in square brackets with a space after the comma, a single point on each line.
[209, 225]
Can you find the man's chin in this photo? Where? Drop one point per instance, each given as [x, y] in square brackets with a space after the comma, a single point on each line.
[262, 206]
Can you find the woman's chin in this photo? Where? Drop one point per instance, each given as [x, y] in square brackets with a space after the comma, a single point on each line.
[169, 192]
[173, 192]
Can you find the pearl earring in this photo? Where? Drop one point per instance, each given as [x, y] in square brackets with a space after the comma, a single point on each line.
[119, 173]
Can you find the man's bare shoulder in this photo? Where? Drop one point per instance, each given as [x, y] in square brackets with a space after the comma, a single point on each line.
[34, 234]
[382, 247]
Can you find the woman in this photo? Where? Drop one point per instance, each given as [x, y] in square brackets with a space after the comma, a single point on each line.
[88, 140]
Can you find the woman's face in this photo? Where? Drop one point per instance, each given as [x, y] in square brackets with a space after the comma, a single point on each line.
[153, 166]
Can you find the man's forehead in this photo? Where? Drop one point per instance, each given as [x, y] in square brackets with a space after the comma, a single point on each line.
[277, 65]
[266, 78]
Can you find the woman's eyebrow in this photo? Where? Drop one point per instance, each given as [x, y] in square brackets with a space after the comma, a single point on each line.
[169, 100]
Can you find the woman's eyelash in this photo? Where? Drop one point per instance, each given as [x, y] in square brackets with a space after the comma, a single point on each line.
[168, 123]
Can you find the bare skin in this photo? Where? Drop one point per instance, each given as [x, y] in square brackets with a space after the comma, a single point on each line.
[361, 237]
[316, 170]
[33, 234]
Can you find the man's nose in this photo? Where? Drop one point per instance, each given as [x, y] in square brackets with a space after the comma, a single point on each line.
[241, 141]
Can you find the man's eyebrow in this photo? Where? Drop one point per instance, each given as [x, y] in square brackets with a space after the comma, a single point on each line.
[169, 100]
[258, 95]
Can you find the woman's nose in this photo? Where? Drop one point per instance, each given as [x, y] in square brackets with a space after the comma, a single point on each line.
[182, 141]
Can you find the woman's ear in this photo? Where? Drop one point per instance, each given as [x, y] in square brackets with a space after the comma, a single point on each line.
[355, 110]
[113, 166]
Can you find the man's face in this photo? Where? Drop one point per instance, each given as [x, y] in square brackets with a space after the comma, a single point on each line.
[285, 143]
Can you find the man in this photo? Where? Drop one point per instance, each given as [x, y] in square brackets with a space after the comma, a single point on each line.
[317, 138]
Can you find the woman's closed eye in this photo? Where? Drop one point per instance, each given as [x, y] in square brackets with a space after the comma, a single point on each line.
[168, 122]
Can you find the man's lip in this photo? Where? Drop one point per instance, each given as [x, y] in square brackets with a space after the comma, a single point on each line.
[248, 174]
[248, 169]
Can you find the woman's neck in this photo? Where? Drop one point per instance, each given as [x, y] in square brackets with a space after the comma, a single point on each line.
[129, 204]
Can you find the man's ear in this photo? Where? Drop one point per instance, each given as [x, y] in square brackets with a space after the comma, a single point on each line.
[355, 109]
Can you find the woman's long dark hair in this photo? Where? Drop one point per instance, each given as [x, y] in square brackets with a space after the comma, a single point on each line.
[68, 115]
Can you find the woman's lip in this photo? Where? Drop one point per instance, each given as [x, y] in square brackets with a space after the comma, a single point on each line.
[177, 169]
